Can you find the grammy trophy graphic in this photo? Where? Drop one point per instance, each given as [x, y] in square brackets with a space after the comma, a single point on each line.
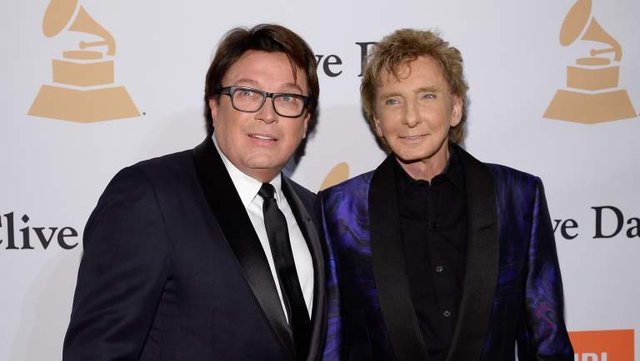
[592, 94]
[83, 88]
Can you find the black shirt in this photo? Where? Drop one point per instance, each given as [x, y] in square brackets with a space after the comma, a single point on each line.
[433, 223]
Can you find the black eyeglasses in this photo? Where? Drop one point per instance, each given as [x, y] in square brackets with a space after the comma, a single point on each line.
[251, 100]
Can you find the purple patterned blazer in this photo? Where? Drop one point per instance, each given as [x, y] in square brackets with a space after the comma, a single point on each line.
[512, 290]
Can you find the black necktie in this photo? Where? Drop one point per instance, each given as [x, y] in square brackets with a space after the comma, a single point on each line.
[278, 235]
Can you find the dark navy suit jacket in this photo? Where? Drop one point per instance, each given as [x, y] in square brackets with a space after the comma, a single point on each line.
[173, 270]
[512, 290]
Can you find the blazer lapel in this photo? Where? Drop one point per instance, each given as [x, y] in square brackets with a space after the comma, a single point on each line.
[389, 267]
[306, 216]
[482, 261]
[232, 217]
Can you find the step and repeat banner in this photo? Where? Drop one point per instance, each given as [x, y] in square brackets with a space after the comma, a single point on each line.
[88, 87]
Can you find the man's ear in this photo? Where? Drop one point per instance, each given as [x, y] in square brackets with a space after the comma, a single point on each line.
[378, 128]
[307, 119]
[456, 112]
[213, 104]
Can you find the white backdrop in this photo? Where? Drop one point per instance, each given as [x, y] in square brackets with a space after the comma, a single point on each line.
[52, 171]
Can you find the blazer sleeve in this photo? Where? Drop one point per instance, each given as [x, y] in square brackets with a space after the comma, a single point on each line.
[122, 272]
[333, 340]
[545, 335]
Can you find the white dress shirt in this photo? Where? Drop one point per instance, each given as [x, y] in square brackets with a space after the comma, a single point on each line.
[247, 189]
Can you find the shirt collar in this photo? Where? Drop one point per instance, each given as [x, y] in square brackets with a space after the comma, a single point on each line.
[246, 186]
[453, 171]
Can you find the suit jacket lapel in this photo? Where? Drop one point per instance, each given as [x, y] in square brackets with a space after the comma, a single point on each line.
[306, 216]
[389, 267]
[482, 261]
[232, 217]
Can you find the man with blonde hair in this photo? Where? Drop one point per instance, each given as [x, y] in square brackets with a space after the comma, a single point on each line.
[439, 256]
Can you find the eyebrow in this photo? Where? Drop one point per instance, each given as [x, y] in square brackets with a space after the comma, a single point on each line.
[430, 89]
[252, 83]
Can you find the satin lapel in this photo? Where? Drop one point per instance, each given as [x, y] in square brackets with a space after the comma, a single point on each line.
[305, 216]
[482, 261]
[389, 267]
[232, 217]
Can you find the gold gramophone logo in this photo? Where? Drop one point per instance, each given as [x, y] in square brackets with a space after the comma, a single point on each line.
[83, 88]
[338, 174]
[592, 94]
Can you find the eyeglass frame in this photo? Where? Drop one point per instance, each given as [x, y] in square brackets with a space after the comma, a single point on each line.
[230, 90]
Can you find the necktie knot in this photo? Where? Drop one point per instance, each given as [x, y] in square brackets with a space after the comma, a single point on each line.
[267, 191]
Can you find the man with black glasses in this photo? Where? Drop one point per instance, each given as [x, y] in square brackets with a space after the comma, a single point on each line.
[213, 254]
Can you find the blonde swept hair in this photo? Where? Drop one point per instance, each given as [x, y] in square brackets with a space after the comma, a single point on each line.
[404, 46]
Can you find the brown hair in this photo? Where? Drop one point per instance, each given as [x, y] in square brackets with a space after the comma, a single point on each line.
[402, 47]
[264, 37]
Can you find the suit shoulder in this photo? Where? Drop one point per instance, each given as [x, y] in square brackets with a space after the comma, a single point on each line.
[170, 166]
[355, 186]
[506, 176]
[166, 163]
[162, 172]
[502, 175]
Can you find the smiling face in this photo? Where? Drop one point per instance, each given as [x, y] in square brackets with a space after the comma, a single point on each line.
[413, 114]
[260, 143]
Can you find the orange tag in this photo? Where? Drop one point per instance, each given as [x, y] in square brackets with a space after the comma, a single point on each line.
[609, 345]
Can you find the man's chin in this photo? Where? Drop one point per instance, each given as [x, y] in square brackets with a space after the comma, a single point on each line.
[410, 158]
[265, 165]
